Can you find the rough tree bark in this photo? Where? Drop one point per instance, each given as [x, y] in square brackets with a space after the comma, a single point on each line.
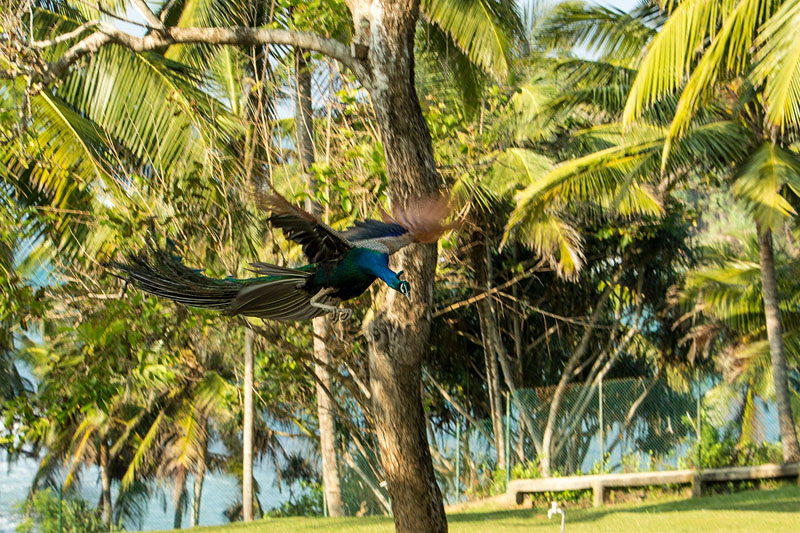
[398, 334]
[247, 431]
[769, 290]
[304, 124]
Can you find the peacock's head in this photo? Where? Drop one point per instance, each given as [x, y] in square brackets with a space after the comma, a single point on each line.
[405, 289]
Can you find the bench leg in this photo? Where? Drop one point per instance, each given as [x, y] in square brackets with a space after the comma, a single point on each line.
[697, 486]
[519, 497]
[598, 494]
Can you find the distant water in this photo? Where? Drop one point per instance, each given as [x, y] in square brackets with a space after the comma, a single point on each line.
[218, 493]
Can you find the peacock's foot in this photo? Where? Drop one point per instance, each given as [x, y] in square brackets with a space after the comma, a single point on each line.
[344, 314]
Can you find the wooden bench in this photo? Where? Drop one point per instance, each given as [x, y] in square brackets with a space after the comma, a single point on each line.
[598, 483]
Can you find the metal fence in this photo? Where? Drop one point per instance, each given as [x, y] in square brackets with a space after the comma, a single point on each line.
[616, 425]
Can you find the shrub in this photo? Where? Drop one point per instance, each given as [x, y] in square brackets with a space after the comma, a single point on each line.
[77, 516]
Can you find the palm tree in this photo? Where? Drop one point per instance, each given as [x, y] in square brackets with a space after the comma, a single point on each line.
[713, 44]
[724, 293]
[674, 135]
[607, 172]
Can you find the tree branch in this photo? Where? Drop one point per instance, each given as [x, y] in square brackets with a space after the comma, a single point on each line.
[66, 36]
[238, 36]
[481, 296]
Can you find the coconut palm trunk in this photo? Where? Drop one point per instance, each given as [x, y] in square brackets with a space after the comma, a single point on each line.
[105, 482]
[327, 435]
[769, 289]
[199, 474]
[199, 479]
[247, 431]
[179, 497]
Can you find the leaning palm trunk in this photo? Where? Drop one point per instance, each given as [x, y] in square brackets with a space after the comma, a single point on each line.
[304, 126]
[327, 432]
[769, 290]
[179, 497]
[199, 479]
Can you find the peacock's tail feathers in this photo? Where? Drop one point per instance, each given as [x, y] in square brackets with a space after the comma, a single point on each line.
[280, 299]
[277, 294]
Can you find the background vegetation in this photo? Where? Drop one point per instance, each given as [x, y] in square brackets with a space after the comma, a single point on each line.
[628, 180]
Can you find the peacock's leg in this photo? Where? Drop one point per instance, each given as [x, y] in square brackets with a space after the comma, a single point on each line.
[341, 314]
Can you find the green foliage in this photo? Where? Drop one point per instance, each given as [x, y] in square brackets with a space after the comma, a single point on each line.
[719, 449]
[778, 66]
[489, 32]
[307, 502]
[45, 514]
[762, 181]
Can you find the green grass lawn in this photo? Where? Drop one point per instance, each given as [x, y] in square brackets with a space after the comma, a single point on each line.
[751, 511]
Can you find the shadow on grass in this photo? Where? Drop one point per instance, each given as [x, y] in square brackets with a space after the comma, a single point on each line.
[781, 500]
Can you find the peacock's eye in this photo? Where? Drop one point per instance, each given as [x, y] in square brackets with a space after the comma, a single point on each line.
[405, 288]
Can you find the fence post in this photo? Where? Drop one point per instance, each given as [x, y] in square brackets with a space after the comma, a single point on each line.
[508, 439]
[600, 417]
[458, 458]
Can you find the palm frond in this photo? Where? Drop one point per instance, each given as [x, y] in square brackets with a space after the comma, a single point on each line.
[452, 66]
[514, 168]
[489, 32]
[611, 33]
[672, 52]
[778, 66]
[531, 105]
[143, 448]
[761, 180]
[728, 53]
[554, 239]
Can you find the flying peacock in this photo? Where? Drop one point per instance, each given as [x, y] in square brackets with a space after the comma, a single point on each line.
[343, 264]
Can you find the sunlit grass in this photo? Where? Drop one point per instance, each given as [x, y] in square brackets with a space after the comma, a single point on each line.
[768, 510]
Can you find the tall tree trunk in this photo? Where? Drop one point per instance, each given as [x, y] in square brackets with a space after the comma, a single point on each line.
[769, 290]
[566, 376]
[325, 415]
[247, 431]
[199, 479]
[399, 332]
[480, 264]
[518, 340]
[199, 476]
[105, 483]
[304, 124]
[179, 497]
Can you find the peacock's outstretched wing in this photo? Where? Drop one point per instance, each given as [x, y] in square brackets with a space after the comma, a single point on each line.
[320, 242]
[421, 220]
[278, 294]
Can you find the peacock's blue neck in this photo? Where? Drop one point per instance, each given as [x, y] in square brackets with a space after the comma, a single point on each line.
[375, 263]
